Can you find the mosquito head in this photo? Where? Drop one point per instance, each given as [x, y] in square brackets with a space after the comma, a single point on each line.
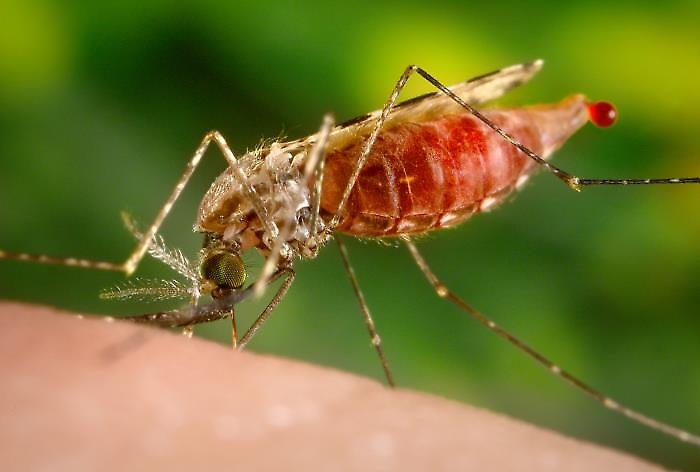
[602, 114]
[221, 271]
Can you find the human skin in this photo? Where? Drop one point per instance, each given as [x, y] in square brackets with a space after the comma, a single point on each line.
[85, 394]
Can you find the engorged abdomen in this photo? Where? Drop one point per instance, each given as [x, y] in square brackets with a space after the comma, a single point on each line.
[436, 174]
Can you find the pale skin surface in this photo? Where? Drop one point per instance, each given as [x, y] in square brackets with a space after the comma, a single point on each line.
[85, 394]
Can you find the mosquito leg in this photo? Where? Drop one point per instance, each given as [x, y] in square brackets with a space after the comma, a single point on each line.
[315, 161]
[131, 263]
[289, 275]
[315, 165]
[367, 148]
[576, 183]
[64, 261]
[366, 315]
[443, 292]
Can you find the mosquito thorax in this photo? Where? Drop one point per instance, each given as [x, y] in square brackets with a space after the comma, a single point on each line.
[275, 174]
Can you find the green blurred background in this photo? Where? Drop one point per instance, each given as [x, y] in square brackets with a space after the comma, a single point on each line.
[101, 105]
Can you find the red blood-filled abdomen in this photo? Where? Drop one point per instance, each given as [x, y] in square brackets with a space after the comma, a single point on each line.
[430, 175]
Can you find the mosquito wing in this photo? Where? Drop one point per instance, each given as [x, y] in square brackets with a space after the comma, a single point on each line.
[475, 91]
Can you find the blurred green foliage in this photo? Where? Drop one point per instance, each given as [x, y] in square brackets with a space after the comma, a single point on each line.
[102, 103]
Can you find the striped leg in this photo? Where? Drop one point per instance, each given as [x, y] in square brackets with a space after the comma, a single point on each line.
[443, 292]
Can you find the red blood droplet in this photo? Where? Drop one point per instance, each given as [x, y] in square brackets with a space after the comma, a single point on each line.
[602, 114]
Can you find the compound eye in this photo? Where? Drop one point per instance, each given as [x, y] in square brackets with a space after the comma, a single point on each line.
[224, 269]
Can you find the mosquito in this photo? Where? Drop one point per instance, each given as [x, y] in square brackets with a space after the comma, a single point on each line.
[424, 164]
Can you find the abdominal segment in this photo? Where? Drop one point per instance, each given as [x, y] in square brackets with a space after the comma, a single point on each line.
[424, 176]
